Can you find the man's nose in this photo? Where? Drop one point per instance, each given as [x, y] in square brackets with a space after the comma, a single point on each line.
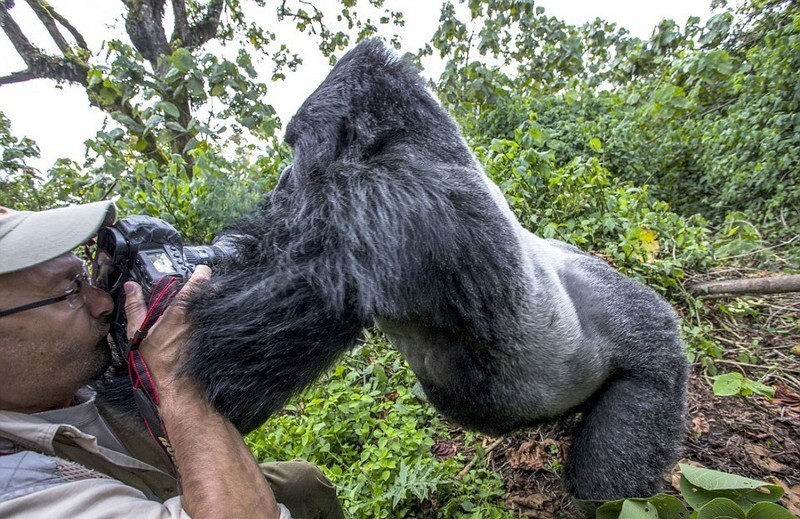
[98, 302]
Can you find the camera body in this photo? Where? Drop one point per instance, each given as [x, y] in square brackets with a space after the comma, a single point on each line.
[143, 249]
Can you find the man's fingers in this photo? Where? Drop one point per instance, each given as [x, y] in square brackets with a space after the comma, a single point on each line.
[135, 307]
[200, 275]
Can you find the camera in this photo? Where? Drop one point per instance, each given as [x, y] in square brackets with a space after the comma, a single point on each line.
[144, 249]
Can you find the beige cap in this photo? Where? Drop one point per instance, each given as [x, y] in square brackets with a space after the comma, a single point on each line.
[28, 238]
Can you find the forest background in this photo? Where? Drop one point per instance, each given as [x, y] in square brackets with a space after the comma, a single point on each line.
[676, 158]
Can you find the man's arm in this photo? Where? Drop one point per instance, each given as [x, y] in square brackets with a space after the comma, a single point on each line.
[218, 473]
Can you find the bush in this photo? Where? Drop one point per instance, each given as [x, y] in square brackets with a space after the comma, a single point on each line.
[582, 203]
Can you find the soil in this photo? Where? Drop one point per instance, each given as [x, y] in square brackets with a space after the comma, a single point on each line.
[752, 436]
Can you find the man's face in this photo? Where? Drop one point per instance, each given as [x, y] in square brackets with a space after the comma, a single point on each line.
[47, 353]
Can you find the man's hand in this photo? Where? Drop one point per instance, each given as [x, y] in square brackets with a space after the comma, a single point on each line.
[163, 348]
[219, 476]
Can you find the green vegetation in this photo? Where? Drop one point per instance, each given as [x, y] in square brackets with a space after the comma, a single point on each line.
[370, 433]
[667, 157]
[705, 115]
[711, 494]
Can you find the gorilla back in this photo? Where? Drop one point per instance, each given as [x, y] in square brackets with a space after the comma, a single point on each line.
[386, 217]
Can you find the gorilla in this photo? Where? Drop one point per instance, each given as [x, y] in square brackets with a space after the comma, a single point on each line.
[385, 218]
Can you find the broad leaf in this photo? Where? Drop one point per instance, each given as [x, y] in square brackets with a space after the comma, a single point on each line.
[721, 508]
[700, 486]
[769, 511]
[661, 506]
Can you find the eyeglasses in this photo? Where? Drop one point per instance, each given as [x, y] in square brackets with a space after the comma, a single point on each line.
[74, 295]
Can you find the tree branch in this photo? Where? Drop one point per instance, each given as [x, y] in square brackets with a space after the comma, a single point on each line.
[193, 36]
[26, 50]
[50, 24]
[206, 29]
[284, 11]
[17, 77]
[40, 65]
[143, 24]
[181, 29]
[70, 67]
[65, 24]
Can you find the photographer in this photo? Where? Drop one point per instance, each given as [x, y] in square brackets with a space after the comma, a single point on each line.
[62, 454]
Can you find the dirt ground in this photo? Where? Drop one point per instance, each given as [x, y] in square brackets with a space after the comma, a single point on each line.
[752, 436]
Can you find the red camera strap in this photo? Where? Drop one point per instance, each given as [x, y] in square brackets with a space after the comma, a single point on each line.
[144, 389]
[164, 289]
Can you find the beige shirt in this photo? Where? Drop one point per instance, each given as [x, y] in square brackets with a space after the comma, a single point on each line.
[35, 482]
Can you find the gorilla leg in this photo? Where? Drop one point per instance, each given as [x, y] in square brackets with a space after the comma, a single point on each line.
[629, 436]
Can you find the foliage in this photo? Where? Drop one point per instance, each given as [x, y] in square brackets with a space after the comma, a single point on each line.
[701, 347]
[190, 137]
[735, 383]
[710, 493]
[707, 115]
[583, 203]
[363, 425]
[18, 181]
[23, 186]
[735, 143]
[659, 155]
[737, 236]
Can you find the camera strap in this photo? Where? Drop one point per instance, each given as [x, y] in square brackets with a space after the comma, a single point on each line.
[144, 389]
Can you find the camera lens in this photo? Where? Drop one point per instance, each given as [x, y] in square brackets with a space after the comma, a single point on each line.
[201, 255]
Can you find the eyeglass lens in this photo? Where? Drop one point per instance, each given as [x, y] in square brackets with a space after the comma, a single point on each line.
[76, 293]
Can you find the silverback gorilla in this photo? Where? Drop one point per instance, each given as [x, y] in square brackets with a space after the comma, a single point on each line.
[386, 218]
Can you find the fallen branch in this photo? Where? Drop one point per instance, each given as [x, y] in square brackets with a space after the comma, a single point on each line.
[770, 285]
[771, 367]
[474, 459]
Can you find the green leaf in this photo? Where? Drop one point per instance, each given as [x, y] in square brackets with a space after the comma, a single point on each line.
[218, 89]
[700, 486]
[759, 388]
[721, 508]
[183, 60]
[126, 121]
[94, 77]
[769, 511]
[729, 384]
[627, 509]
[140, 145]
[195, 87]
[669, 507]
[190, 145]
[661, 506]
[170, 109]
[634, 509]
[596, 145]
[172, 125]
[709, 479]
[107, 95]
[153, 121]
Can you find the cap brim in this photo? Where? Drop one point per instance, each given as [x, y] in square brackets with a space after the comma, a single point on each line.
[37, 237]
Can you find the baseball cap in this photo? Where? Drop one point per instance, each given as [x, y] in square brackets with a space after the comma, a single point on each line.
[28, 238]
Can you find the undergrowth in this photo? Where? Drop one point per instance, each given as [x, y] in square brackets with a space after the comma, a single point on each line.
[368, 431]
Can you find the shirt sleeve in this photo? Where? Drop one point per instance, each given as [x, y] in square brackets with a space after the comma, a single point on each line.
[90, 499]
[96, 499]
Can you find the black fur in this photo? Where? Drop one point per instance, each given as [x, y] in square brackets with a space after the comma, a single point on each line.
[386, 217]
